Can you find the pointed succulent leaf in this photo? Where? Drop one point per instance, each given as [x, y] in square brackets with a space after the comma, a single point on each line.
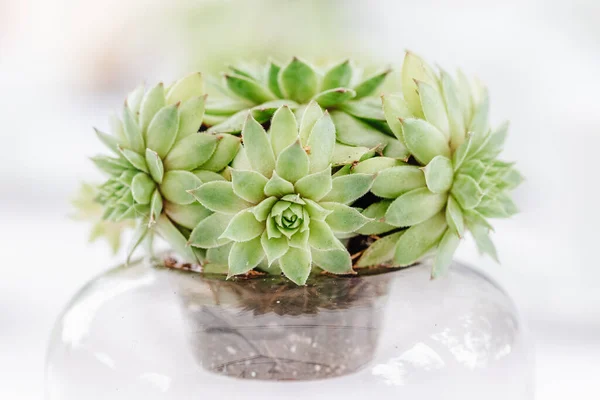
[218, 256]
[321, 236]
[156, 206]
[138, 237]
[466, 191]
[376, 212]
[277, 186]
[439, 174]
[454, 217]
[227, 148]
[344, 154]
[298, 81]
[191, 114]
[109, 141]
[444, 253]
[338, 76]
[511, 179]
[419, 239]
[176, 185]
[262, 210]
[380, 252]
[155, 166]
[414, 207]
[142, 188]
[153, 101]
[368, 108]
[284, 130]
[293, 163]
[191, 152]
[169, 232]
[315, 186]
[424, 140]
[333, 97]
[249, 185]
[132, 131]
[208, 233]
[186, 88]
[461, 153]
[274, 247]
[480, 123]
[135, 159]
[273, 79]
[375, 165]
[299, 239]
[434, 107]
[346, 189]
[315, 210]
[233, 124]
[219, 196]
[493, 145]
[393, 182]
[464, 94]
[134, 99]
[248, 89]
[243, 227]
[295, 264]
[188, 215]
[334, 261]
[395, 109]
[117, 128]
[311, 114]
[208, 176]
[414, 69]
[162, 130]
[482, 240]
[321, 143]
[344, 219]
[258, 149]
[370, 85]
[244, 256]
[456, 121]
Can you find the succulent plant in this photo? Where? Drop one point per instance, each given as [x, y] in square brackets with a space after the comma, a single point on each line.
[322, 169]
[282, 205]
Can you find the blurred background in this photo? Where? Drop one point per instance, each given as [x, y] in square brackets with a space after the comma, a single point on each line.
[65, 65]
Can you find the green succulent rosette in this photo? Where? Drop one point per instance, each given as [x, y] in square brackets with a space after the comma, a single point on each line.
[293, 168]
[282, 210]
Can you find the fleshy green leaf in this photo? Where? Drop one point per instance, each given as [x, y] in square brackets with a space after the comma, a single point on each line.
[293, 163]
[248, 89]
[258, 149]
[176, 185]
[321, 143]
[338, 76]
[156, 206]
[482, 240]
[315, 210]
[191, 152]
[273, 77]
[375, 165]
[109, 141]
[262, 210]
[321, 236]
[395, 109]
[424, 140]
[348, 188]
[134, 99]
[298, 81]
[344, 154]
[208, 176]
[456, 120]
[414, 69]
[312, 113]
[153, 101]
[217, 256]
[191, 114]
[249, 185]
[376, 211]
[439, 174]
[335, 261]
[227, 148]
[369, 109]
[135, 159]
[208, 233]
[466, 191]
[132, 131]
[243, 227]
[444, 253]
[188, 215]
[315, 186]
[380, 252]
[219, 196]
[480, 124]
[460, 155]
[244, 256]
[278, 186]
[295, 264]
[434, 107]
[142, 188]
[454, 217]
[284, 130]
[395, 181]
[155, 166]
[418, 240]
[343, 218]
[175, 238]
[274, 247]
[138, 237]
[414, 207]
[333, 97]
[370, 85]
[186, 88]
[299, 239]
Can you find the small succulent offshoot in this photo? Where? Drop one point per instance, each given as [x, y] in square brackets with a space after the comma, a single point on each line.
[294, 163]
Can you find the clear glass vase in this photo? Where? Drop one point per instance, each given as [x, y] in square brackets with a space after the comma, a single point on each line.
[155, 330]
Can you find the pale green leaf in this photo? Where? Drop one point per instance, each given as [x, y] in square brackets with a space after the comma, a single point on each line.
[278, 186]
[273, 79]
[227, 148]
[380, 252]
[414, 207]
[262, 210]
[295, 264]
[217, 256]
[132, 131]
[188, 215]
[134, 99]
[165, 228]
[155, 166]
[482, 240]
[375, 165]
[162, 131]
[376, 212]
[370, 85]
[419, 239]
[191, 114]
[466, 191]
[344, 154]
[139, 235]
[284, 130]
[248, 89]
[348, 188]
[321, 236]
[274, 247]
[258, 149]
[311, 114]
[293, 163]
[337, 76]
[243, 227]
[249, 185]
[186, 88]
[333, 97]
[434, 107]
[444, 253]
[244, 256]
[335, 261]
[395, 109]
[156, 206]
[439, 174]
[135, 159]
[343, 218]
[321, 144]
[109, 141]
[142, 188]
[414, 69]
[153, 101]
[454, 217]
[176, 185]
[191, 152]
[455, 114]
[395, 181]
[219, 196]
[424, 140]
[298, 81]
[315, 186]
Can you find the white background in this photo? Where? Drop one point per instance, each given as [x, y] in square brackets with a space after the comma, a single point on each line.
[65, 64]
